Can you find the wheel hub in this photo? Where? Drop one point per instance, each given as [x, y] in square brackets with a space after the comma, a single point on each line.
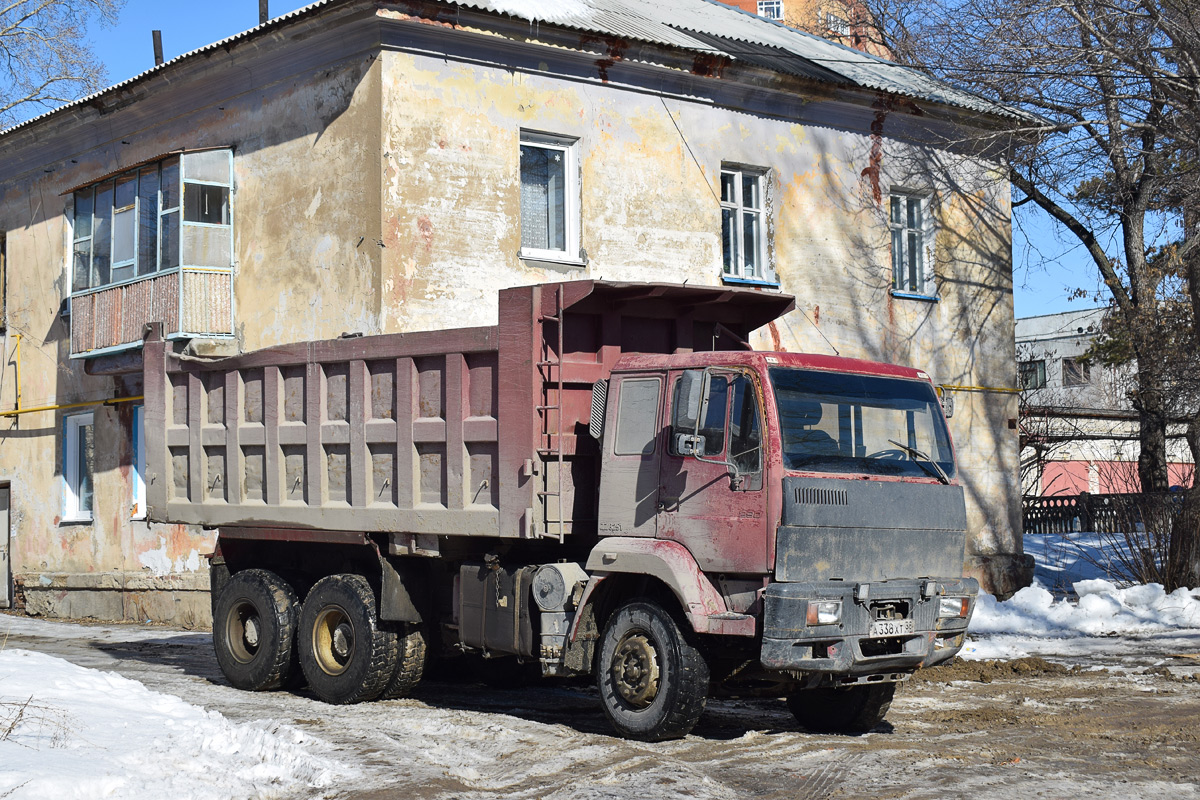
[342, 636]
[242, 632]
[250, 634]
[635, 670]
[333, 640]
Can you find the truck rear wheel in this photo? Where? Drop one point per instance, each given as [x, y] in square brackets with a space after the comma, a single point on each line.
[653, 681]
[345, 656]
[254, 627]
[854, 710]
[410, 664]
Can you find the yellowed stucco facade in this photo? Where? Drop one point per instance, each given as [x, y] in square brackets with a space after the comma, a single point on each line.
[376, 188]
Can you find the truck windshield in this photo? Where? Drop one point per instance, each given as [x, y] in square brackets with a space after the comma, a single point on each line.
[838, 422]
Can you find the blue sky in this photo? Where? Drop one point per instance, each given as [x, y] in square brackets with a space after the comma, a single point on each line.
[1047, 266]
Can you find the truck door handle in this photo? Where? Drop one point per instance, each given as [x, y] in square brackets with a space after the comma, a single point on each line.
[668, 504]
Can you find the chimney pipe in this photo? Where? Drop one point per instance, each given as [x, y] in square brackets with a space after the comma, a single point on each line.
[263, 14]
[158, 57]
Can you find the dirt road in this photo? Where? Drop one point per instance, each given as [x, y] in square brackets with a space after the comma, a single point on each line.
[1094, 726]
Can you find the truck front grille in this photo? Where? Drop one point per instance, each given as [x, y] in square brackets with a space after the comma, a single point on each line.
[815, 496]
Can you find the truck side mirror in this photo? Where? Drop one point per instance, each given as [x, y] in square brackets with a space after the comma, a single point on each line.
[947, 398]
[685, 417]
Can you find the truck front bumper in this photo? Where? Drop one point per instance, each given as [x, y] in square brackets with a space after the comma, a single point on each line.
[885, 629]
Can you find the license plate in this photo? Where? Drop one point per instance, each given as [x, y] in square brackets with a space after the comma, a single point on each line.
[893, 627]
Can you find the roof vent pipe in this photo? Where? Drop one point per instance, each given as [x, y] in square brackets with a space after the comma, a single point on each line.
[158, 57]
[263, 14]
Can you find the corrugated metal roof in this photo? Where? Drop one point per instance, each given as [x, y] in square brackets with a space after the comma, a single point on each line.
[714, 27]
[700, 25]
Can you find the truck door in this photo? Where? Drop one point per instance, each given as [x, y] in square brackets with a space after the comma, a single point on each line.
[632, 451]
[719, 518]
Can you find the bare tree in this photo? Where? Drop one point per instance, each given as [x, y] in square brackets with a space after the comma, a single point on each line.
[45, 58]
[1104, 154]
[1115, 161]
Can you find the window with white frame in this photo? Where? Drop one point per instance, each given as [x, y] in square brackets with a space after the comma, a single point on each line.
[907, 220]
[152, 219]
[137, 505]
[771, 9]
[743, 224]
[838, 26]
[78, 451]
[549, 197]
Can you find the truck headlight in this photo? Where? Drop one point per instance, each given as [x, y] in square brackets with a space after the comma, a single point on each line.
[954, 607]
[824, 612]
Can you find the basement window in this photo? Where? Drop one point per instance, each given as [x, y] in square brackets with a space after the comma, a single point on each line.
[153, 219]
[79, 446]
[549, 198]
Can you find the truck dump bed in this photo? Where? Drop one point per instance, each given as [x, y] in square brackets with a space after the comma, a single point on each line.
[462, 431]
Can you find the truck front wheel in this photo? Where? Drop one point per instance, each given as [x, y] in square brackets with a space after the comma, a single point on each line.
[653, 681]
[854, 710]
[254, 625]
[344, 654]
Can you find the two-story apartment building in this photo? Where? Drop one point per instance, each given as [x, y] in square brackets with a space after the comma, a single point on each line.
[370, 167]
[1078, 424]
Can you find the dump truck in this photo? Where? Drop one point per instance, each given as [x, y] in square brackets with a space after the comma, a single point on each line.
[608, 483]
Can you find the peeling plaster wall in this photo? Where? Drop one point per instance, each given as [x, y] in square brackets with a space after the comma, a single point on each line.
[306, 226]
[377, 190]
[650, 212]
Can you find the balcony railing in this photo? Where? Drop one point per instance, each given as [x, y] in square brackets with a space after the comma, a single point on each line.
[189, 302]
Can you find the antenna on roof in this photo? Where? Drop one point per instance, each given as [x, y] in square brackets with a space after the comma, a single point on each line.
[263, 14]
[158, 57]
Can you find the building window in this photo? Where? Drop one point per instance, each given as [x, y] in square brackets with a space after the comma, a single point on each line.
[907, 223]
[78, 451]
[549, 197]
[771, 9]
[1032, 374]
[137, 505]
[1076, 372]
[152, 219]
[743, 225]
[837, 25]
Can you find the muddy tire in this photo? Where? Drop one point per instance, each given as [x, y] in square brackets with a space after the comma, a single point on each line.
[854, 710]
[653, 680]
[344, 654]
[254, 628]
[410, 664]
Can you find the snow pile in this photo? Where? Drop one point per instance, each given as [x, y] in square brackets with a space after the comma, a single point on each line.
[70, 732]
[1103, 610]
[1105, 619]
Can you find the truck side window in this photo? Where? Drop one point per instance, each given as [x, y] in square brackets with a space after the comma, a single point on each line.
[745, 432]
[712, 426]
[637, 417]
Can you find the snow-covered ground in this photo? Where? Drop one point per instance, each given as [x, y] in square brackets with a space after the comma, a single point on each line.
[71, 732]
[1105, 620]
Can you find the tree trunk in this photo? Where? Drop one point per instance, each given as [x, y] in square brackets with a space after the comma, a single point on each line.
[1152, 421]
